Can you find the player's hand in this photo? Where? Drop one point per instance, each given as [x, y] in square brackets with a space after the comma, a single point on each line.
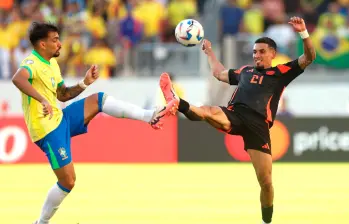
[47, 109]
[298, 24]
[206, 46]
[91, 75]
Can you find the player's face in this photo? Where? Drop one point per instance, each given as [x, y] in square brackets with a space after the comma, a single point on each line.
[53, 45]
[263, 55]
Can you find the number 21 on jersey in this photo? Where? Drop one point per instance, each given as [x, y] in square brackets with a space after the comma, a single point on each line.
[257, 79]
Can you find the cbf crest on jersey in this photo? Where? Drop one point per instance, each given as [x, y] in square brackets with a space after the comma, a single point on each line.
[53, 82]
[63, 153]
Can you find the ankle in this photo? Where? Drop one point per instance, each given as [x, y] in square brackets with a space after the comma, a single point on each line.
[183, 106]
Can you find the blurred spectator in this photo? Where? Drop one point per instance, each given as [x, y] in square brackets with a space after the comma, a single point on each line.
[117, 8]
[151, 13]
[7, 41]
[100, 54]
[75, 19]
[273, 10]
[19, 53]
[179, 10]
[231, 17]
[131, 34]
[95, 23]
[344, 7]
[50, 11]
[253, 13]
[281, 29]
[311, 10]
[332, 20]
[131, 29]
[292, 7]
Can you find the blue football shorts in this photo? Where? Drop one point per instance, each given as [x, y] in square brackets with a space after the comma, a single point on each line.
[56, 144]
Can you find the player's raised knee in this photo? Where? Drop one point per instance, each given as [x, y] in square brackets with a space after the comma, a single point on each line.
[206, 111]
[209, 111]
[98, 99]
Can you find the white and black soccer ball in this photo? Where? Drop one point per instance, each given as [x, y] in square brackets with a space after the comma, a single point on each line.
[189, 32]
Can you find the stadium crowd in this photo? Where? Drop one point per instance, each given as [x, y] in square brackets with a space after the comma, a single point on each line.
[103, 31]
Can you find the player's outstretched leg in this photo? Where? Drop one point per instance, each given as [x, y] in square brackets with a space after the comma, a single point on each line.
[101, 102]
[262, 163]
[212, 114]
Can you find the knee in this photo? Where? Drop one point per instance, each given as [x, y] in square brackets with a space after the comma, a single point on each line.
[67, 183]
[265, 182]
[208, 111]
[98, 99]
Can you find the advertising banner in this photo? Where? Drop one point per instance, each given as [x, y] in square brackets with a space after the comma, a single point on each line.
[108, 140]
[292, 140]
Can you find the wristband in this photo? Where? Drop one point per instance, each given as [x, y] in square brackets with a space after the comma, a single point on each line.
[304, 34]
[82, 84]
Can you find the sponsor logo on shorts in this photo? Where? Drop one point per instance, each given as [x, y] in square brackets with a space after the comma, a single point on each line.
[63, 153]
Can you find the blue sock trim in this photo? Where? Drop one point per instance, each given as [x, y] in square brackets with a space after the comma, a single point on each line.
[100, 99]
[63, 188]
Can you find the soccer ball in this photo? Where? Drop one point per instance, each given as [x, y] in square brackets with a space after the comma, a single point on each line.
[189, 32]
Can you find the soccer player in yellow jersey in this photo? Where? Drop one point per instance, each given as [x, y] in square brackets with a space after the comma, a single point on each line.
[40, 81]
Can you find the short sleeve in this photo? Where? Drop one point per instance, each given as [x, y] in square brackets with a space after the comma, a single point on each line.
[290, 70]
[60, 80]
[28, 64]
[234, 75]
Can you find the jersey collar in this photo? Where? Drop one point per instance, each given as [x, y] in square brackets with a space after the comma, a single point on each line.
[34, 52]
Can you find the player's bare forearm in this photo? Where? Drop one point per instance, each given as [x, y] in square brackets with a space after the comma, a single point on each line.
[20, 80]
[309, 54]
[216, 66]
[67, 93]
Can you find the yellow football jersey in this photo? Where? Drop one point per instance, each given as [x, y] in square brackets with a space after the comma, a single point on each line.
[45, 77]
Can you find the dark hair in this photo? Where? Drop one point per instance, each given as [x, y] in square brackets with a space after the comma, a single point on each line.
[266, 40]
[39, 31]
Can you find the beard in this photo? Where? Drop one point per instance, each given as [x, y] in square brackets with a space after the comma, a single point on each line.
[56, 54]
[259, 66]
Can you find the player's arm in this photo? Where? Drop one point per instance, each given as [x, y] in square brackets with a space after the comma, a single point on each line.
[65, 93]
[309, 54]
[217, 68]
[21, 80]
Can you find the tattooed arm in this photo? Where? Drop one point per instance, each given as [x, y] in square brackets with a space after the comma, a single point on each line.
[309, 54]
[65, 93]
[309, 51]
